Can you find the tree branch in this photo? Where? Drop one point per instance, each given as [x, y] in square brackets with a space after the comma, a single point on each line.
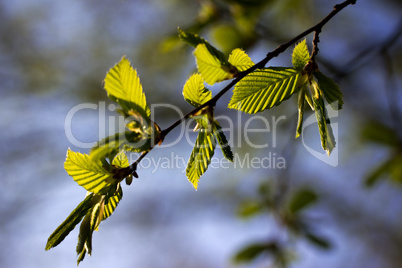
[280, 49]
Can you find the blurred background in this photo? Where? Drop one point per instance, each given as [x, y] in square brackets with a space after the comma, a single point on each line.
[54, 56]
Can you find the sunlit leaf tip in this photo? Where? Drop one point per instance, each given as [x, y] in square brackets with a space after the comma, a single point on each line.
[212, 65]
[330, 90]
[123, 86]
[239, 59]
[264, 89]
[200, 156]
[324, 126]
[300, 56]
[195, 92]
[69, 223]
[191, 38]
[87, 173]
[222, 141]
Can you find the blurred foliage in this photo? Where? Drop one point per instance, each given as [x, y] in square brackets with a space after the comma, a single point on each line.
[385, 136]
[288, 209]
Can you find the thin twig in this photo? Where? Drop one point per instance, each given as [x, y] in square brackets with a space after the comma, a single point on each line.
[280, 49]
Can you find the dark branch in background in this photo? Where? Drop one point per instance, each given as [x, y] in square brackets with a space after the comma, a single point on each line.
[280, 49]
[363, 57]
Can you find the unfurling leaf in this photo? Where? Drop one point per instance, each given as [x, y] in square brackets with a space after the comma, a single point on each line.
[239, 59]
[300, 56]
[327, 137]
[121, 160]
[123, 86]
[265, 88]
[301, 100]
[210, 131]
[137, 140]
[101, 210]
[330, 90]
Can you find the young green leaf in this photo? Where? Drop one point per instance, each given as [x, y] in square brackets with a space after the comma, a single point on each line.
[123, 86]
[190, 38]
[102, 207]
[87, 227]
[223, 143]
[87, 173]
[239, 59]
[70, 222]
[330, 90]
[264, 89]
[194, 40]
[111, 202]
[212, 67]
[301, 100]
[200, 156]
[195, 92]
[121, 160]
[327, 137]
[300, 56]
[142, 139]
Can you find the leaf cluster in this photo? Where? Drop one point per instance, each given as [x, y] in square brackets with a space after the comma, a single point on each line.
[101, 172]
[256, 90]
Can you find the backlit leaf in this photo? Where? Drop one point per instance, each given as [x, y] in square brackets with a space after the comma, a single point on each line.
[264, 88]
[301, 100]
[212, 67]
[222, 141]
[102, 208]
[132, 141]
[123, 86]
[121, 160]
[327, 137]
[300, 56]
[200, 156]
[86, 172]
[70, 222]
[239, 59]
[194, 40]
[111, 202]
[330, 90]
[195, 92]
